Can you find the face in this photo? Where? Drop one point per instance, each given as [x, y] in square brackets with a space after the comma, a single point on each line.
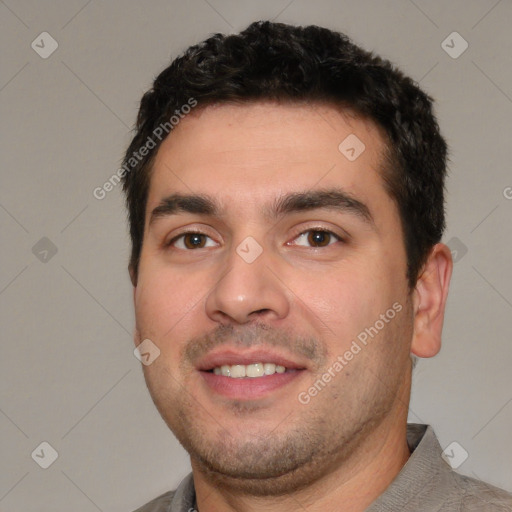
[266, 246]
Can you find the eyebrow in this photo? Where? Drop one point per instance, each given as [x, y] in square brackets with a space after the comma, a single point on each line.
[331, 199]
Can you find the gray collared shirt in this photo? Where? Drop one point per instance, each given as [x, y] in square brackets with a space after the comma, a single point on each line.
[425, 483]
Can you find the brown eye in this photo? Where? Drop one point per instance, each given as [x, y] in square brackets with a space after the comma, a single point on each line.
[191, 240]
[194, 240]
[317, 238]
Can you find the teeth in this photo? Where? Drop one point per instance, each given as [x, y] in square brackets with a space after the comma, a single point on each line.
[239, 371]
[269, 368]
[254, 370]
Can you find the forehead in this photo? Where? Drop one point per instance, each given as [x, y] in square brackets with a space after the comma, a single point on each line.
[251, 152]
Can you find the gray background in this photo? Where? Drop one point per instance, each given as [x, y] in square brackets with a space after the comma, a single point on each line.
[68, 372]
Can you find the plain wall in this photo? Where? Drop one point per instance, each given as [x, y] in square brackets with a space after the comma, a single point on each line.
[69, 376]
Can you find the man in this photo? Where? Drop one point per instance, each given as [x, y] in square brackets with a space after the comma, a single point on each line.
[285, 196]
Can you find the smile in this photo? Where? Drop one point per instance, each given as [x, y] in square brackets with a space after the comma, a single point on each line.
[255, 370]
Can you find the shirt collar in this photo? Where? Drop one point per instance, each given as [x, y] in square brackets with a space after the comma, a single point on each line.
[184, 499]
[423, 477]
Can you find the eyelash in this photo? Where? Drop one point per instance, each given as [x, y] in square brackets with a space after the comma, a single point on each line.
[315, 230]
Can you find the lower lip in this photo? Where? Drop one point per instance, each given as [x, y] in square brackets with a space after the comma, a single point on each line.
[249, 388]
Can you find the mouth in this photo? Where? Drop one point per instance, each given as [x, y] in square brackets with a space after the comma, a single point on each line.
[248, 376]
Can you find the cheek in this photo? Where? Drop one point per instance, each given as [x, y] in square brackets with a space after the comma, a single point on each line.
[166, 304]
[342, 302]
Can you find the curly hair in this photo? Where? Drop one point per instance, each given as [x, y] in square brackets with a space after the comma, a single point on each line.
[275, 61]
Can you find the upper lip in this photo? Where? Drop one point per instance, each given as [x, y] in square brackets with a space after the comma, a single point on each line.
[226, 356]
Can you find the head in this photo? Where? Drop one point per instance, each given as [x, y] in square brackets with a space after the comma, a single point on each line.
[288, 207]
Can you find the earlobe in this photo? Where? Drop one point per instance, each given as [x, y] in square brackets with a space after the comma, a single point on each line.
[429, 302]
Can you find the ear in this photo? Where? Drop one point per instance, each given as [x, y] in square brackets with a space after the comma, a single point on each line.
[429, 301]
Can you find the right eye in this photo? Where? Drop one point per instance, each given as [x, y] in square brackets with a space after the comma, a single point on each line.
[190, 240]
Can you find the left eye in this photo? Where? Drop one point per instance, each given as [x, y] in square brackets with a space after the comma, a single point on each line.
[318, 238]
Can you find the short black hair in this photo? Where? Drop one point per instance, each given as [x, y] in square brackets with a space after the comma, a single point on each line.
[285, 63]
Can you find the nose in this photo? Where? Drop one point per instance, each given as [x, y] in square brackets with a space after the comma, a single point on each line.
[247, 292]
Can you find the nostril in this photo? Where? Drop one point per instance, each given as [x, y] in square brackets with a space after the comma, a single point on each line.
[260, 313]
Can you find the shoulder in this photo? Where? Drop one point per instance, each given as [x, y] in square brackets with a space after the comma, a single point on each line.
[160, 504]
[478, 496]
